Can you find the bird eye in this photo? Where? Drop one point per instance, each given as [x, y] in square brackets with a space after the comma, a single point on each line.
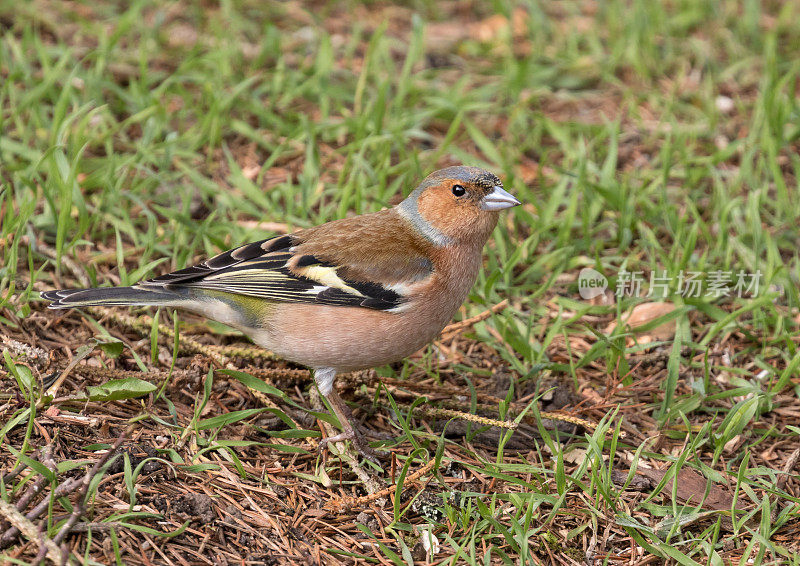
[459, 191]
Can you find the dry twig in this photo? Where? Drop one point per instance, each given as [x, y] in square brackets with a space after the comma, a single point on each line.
[24, 525]
[452, 329]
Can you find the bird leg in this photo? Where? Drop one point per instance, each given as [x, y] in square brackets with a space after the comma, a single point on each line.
[349, 432]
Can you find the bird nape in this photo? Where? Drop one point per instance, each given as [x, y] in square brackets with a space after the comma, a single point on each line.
[347, 295]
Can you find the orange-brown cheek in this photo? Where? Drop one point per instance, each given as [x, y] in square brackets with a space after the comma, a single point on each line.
[445, 214]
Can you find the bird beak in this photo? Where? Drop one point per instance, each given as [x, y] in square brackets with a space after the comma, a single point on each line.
[498, 199]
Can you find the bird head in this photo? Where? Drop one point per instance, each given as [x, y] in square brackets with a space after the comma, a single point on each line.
[457, 204]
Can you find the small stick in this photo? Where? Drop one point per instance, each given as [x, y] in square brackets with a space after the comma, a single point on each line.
[791, 462]
[62, 489]
[19, 469]
[80, 508]
[351, 502]
[25, 526]
[780, 484]
[77, 271]
[40, 482]
[452, 329]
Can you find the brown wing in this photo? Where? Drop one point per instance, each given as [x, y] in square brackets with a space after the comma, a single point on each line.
[349, 262]
[378, 248]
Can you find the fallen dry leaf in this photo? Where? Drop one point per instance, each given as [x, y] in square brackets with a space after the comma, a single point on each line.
[605, 299]
[644, 313]
[492, 27]
[691, 490]
[440, 36]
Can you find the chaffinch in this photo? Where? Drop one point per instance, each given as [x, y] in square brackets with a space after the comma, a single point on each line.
[351, 294]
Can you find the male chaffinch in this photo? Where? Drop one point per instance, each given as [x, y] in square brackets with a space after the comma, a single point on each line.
[348, 295]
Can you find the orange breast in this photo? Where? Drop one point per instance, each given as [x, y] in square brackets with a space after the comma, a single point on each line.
[351, 338]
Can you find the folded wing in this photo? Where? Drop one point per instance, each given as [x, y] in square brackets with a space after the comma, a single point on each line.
[277, 270]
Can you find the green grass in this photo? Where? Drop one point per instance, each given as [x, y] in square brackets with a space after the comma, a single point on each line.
[135, 140]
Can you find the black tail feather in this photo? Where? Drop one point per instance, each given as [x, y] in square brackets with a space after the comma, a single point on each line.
[110, 296]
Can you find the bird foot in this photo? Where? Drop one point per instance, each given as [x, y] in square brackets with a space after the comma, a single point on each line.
[359, 443]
